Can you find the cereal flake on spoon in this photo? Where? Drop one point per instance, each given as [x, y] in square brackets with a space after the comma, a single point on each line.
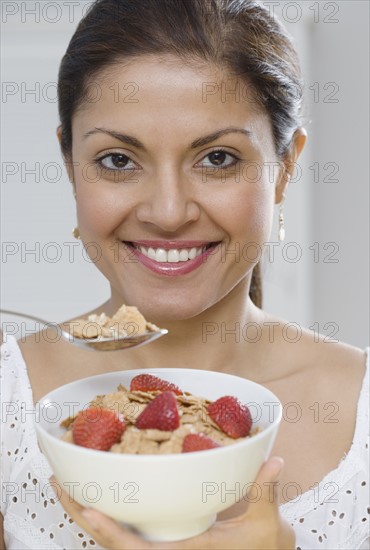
[127, 321]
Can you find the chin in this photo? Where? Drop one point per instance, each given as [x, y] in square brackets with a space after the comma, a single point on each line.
[160, 310]
[171, 312]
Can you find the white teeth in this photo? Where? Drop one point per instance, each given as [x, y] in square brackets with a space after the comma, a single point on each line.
[173, 255]
[160, 255]
[184, 256]
[151, 253]
[192, 253]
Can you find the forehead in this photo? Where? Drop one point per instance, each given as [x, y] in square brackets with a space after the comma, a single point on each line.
[165, 92]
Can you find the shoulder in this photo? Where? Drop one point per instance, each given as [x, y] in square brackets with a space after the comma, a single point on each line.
[53, 362]
[334, 372]
[315, 367]
[40, 346]
[332, 360]
[50, 361]
[320, 384]
[304, 350]
[47, 346]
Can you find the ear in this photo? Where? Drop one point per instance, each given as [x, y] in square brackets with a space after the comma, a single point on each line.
[298, 143]
[67, 161]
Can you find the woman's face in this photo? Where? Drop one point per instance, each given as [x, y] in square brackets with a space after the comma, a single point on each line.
[167, 157]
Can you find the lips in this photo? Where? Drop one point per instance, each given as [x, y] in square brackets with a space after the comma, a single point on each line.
[171, 257]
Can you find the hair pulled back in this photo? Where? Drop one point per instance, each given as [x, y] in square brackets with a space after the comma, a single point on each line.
[237, 35]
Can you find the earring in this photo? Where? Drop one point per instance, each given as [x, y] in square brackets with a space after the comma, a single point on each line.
[281, 220]
[76, 233]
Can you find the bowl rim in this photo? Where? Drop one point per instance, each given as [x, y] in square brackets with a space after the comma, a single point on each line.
[168, 456]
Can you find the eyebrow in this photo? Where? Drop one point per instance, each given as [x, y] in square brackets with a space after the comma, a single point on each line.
[130, 140]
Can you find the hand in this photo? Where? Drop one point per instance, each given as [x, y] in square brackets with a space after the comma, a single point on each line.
[259, 528]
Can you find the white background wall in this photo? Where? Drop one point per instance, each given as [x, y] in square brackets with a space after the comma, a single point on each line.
[328, 283]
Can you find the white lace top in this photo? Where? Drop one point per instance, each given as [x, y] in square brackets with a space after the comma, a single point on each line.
[335, 515]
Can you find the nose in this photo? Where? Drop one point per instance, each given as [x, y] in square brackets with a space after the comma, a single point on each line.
[168, 203]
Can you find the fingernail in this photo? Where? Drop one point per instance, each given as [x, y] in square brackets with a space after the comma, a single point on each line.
[90, 516]
[277, 466]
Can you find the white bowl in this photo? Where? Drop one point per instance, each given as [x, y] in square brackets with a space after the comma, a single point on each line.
[164, 497]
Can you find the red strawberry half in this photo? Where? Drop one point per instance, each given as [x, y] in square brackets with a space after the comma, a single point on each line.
[98, 428]
[231, 416]
[148, 382]
[198, 442]
[161, 414]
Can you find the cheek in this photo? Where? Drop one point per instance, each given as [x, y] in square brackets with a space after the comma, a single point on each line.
[101, 204]
[247, 212]
[99, 214]
[94, 218]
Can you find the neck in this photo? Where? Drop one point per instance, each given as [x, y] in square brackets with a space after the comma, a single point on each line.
[215, 340]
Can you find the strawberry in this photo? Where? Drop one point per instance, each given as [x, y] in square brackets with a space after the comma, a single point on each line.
[231, 416]
[161, 413]
[98, 428]
[198, 442]
[148, 382]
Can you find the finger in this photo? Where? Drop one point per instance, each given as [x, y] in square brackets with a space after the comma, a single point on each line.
[63, 497]
[72, 507]
[265, 510]
[103, 529]
[270, 470]
[109, 534]
[263, 492]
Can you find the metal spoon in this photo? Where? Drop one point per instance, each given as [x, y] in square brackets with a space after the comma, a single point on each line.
[97, 344]
[115, 343]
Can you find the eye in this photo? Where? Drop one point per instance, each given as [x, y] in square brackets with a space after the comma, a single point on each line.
[219, 159]
[116, 162]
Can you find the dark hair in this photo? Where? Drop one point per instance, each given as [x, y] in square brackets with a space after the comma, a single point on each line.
[238, 35]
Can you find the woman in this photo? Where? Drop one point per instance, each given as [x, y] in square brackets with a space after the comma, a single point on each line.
[162, 157]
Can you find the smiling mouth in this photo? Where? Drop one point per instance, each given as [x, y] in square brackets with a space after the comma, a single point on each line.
[168, 253]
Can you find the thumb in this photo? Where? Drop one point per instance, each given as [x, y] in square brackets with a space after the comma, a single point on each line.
[264, 491]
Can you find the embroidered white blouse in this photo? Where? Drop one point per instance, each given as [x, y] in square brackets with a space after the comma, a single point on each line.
[334, 515]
